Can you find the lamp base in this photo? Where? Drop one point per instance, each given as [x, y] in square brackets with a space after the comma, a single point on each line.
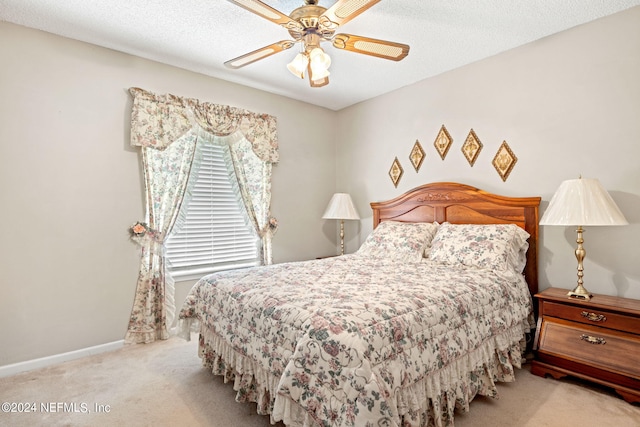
[580, 293]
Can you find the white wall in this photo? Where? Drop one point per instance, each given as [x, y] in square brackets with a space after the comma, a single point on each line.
[567, 105]
[70, 186]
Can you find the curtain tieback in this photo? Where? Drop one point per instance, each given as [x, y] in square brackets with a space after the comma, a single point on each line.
[271, 227]
[146, 237]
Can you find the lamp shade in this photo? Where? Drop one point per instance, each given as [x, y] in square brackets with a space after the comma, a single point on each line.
[341, 207]
[582, 202]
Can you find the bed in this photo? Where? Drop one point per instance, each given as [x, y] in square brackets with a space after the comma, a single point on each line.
[432, 310]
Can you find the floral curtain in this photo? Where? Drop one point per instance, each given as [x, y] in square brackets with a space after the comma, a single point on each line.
[165, 177]
[254, 185]
[166, 129]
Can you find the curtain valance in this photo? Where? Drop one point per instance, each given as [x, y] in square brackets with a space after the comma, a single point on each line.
[159, 120]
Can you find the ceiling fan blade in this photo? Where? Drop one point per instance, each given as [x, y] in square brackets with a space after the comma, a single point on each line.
[258, 54]
[344, 11]
[374, 47]
[266, 11]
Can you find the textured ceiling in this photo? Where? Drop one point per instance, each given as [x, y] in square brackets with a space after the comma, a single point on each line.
[200, 35]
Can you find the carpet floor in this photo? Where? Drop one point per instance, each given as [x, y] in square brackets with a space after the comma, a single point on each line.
[164, 384]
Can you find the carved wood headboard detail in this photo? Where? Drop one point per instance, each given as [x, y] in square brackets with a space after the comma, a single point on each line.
[463, 204]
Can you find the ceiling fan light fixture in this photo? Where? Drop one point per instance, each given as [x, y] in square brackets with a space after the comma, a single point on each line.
[298, 65]
[319, 63]
[319, 73]
[318, 58]
[310, 25]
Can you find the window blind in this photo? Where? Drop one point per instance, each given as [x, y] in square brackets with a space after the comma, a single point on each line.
[215, 235]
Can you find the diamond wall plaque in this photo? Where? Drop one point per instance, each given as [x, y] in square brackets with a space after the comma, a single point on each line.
[471, 147]
[417, 155]
[504, 161]
[396, 172]
[443, 142]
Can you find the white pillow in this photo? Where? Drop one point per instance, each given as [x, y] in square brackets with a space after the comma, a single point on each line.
[494, 246]
[402, 241]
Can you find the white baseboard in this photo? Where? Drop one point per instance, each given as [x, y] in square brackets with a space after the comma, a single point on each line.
[29, 365]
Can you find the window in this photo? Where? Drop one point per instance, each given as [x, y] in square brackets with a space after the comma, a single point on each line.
[215, 235]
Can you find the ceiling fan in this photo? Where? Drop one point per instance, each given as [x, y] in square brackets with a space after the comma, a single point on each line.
[311, 25]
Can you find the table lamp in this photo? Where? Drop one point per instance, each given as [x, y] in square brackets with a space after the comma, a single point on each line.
[580, 202]
[341, 207]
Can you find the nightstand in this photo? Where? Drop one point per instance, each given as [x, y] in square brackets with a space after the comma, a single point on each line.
[596, 340]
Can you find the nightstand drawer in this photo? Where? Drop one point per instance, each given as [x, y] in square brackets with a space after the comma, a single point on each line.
[591, 316]
[598, 347]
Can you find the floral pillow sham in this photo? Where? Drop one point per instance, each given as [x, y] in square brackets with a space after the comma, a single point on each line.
[401, 241]
[498, 247]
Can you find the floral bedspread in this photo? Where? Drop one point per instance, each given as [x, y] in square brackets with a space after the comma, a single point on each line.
[351, 341]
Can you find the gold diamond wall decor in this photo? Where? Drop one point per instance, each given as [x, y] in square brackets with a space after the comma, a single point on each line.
[504, 161]
[471, 147]
[443, 142]
[396, 172]
[417, 155]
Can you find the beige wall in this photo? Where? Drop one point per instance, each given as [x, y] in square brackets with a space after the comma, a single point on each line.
[567, 105]
[70, 186]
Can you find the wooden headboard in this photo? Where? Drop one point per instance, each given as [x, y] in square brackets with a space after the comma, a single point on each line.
[463, 204]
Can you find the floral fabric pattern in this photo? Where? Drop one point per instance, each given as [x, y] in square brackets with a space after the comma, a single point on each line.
[159, 120]
[166, 129]
[166, 174]
[254, 188]
[360, 341]
[498, 247]
[401, 241]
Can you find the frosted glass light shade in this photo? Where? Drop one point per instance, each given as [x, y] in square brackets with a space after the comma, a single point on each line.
[318, 57]
[319, 73]
[582, 202]
[341, 207]
[298, 65]
[319, 63]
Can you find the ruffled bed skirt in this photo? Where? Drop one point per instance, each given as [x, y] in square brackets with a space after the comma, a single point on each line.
[431, 401]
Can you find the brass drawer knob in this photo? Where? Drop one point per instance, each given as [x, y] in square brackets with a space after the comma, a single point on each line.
[592, 340]
[594, 317]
